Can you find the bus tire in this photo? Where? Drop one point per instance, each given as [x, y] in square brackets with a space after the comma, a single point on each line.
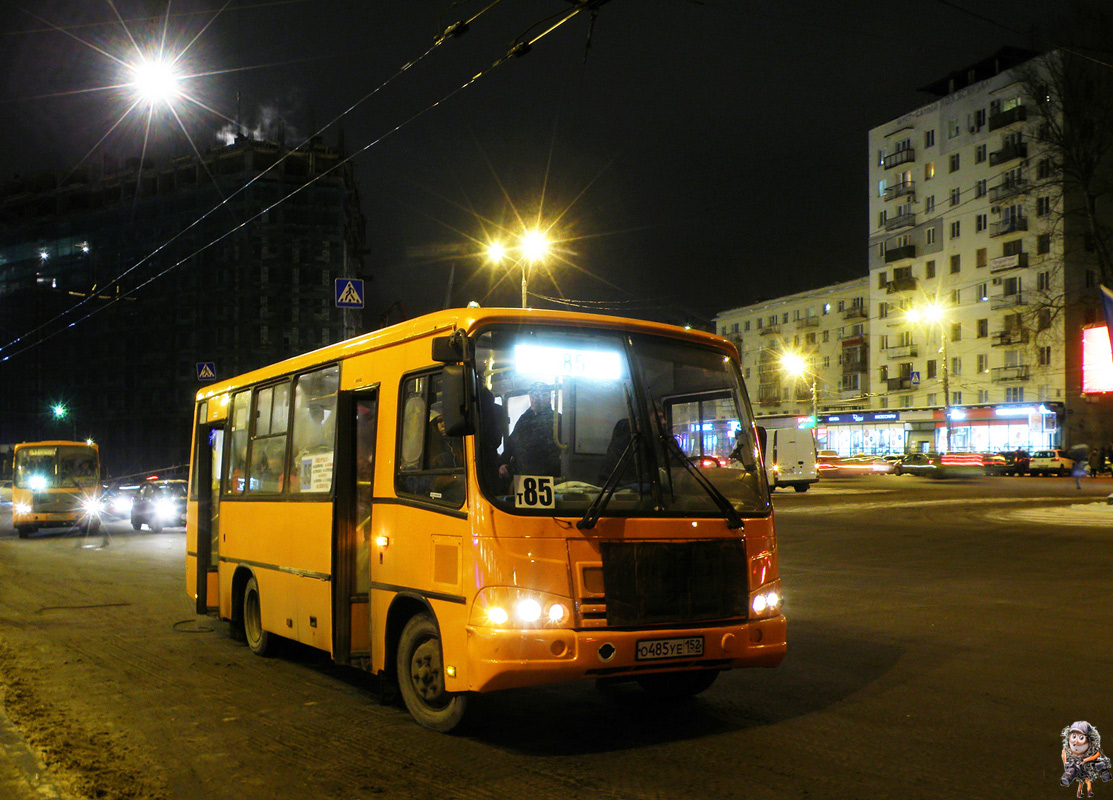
[421, 677]
[257, 639]
[801, 487]
[26, 530]
[678, 685]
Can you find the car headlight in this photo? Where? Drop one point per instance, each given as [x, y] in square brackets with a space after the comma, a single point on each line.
[121, 505]
[766, 601]
[165, 508]
[92, 505]
[512, 607]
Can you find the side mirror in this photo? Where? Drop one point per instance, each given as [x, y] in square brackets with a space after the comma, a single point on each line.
[454, 349]
[458, 399]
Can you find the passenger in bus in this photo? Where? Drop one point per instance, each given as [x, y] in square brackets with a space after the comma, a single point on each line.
[494, 428]
[270, 477]
[531, 448]
[620, 438]
[445, 452]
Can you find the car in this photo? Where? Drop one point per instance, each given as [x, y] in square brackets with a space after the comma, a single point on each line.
[706, 461]
[929, 464]
[1050, 462]
[5, 491]
[118, 499]
[159, 504]
[1016, 462]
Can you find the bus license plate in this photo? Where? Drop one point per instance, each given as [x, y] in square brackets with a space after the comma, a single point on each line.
[652, 649]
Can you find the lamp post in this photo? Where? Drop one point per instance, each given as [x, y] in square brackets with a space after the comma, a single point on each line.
[935, 313]
[797, 366]
[533, 246]
[60, 412]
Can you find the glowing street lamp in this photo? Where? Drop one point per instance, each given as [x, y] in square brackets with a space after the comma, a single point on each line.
[60, 412]
[935, 314]
[533, 247]
[796, 365]
[155, 81]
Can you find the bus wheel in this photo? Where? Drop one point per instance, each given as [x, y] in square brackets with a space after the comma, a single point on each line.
[801, 487]
[421, 677]
[26, 530]
[678, 685]
[257, 639]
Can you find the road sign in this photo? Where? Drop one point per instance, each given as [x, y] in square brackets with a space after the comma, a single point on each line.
[349, 293]
[206, 370]
[915, 376]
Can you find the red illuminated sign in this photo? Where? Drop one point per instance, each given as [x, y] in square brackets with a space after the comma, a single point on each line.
[1097, 361]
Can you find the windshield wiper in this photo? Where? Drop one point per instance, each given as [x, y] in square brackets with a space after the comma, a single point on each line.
[591, 516]
[734, 521]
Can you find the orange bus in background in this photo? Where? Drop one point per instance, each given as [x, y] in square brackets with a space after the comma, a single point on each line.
[481, 499]
[55, 484]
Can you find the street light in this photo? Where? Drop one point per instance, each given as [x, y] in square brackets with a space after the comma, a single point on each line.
[533, 246]
[60, 412]
[936, 314]
[797, 366]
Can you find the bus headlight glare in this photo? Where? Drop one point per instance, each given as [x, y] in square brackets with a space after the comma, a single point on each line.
[766, 602]
[514, 607]
[92, 505]
[22, 508]
[36, 483]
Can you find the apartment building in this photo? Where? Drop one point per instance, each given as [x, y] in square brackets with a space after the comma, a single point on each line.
[980, 287]
[807, 354]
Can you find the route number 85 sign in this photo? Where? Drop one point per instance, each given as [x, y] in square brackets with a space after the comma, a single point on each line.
[533, 491]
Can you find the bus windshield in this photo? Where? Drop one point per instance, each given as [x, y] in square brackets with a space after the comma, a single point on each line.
[572, 419]
[43, 467]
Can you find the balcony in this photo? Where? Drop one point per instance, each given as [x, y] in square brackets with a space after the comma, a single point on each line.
[1004, 263]
[1003, 118]
[1009, 225]
[850, 367]
[897, 253]
[901, 351]
[1011, 336]
[898, 384]
[1008, 153]
[1007, 189]
[906, 220]
[802, 393]
[807, 322]
[900, 189]
[769, 330]
[1006, 301]
[899, 157]
[854, 312]
[906, 284]
[1007, 374]
[769, 394]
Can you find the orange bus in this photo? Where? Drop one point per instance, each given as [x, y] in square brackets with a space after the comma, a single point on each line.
[55, 484]
[481, 499]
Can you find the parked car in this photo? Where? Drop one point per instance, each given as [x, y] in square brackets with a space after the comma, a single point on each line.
[1016, 462]
[159, 504]
[929, 464]
[1050, 462]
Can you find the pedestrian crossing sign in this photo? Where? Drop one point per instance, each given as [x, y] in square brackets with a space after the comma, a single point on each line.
[206, 370]
[349, 293]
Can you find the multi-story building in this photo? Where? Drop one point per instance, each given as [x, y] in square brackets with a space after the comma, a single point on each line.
[966, 220]
[116, 284]
[807, 354]
[980, 289]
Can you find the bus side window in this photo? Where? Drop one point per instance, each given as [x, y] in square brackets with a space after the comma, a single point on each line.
[430, 464]
[314, 430]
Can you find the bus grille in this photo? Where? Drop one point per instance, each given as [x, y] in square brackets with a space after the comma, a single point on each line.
[656, 583]
[55, 502]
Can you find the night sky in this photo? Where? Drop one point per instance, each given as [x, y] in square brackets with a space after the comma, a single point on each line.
[698, 156]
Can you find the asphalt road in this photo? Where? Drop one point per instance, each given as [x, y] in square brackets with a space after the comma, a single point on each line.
[939, 640]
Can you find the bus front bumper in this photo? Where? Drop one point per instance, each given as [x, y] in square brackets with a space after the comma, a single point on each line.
[506, 659]
[47, 519]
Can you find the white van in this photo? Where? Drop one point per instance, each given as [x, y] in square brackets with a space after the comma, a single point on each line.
[790, 458]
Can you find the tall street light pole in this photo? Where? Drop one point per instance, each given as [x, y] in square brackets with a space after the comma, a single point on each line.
[935, 314]
[533, 247]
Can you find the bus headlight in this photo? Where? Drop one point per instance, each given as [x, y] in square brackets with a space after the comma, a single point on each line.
[766, 602]
[92, 506]
[37, 483]
[22, 508]
[512, 607]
